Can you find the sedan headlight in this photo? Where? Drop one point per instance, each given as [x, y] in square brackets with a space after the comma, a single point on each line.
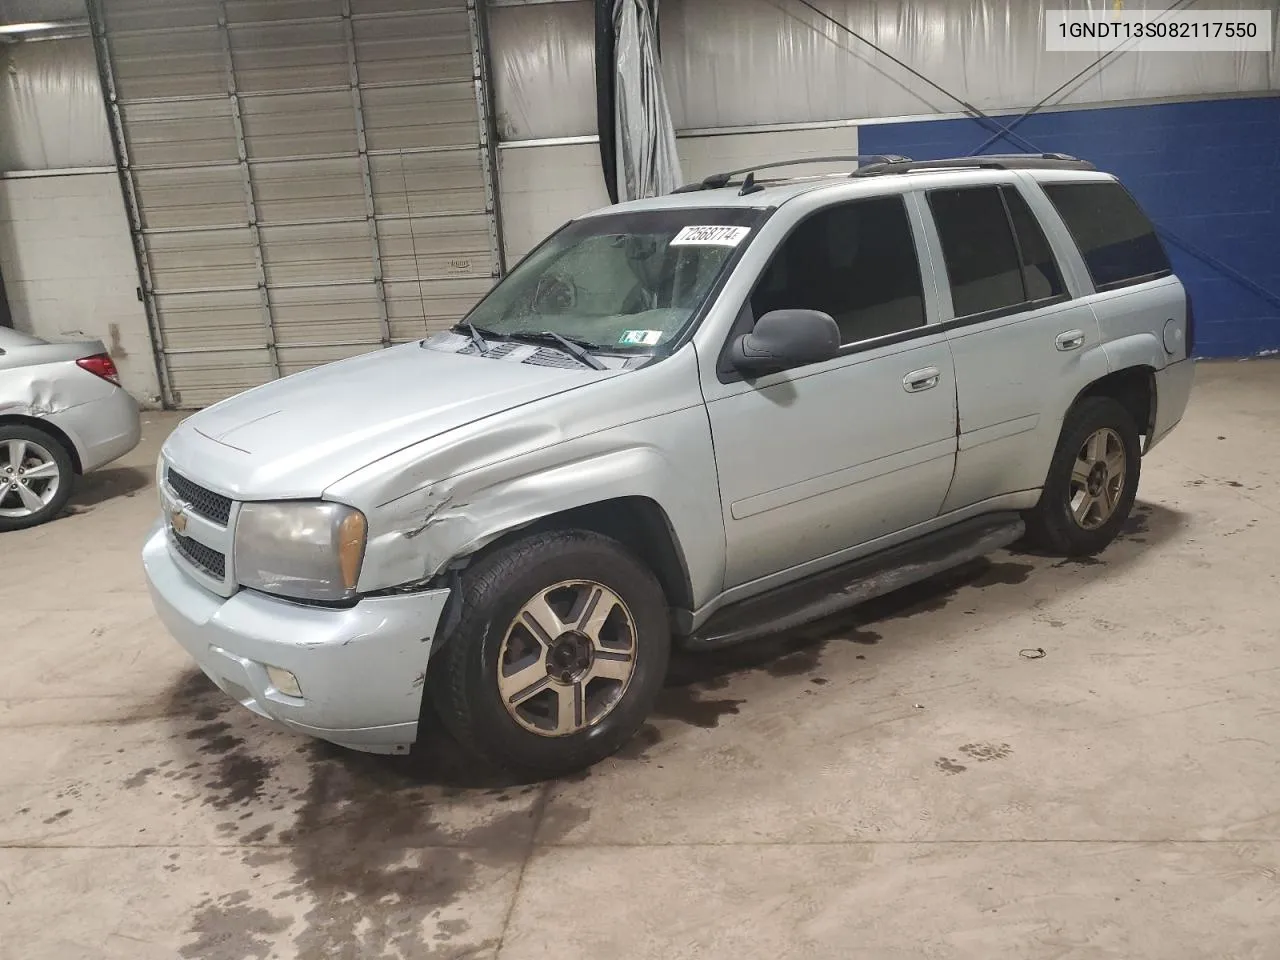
[299, 549]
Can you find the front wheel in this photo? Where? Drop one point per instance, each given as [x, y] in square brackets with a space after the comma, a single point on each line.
[560, 651]
[1092, 480]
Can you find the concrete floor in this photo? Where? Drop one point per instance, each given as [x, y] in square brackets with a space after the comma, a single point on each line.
[900, 783]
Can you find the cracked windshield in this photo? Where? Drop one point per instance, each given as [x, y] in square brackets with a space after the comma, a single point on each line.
[621, 283]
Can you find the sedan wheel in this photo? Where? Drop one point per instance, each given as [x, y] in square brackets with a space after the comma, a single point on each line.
[31, 477]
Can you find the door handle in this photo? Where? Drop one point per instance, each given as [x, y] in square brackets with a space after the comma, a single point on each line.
[918, 380]
[1071, 340]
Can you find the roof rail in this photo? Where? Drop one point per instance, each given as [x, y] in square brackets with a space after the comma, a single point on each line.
[718, 180]
[994, 161]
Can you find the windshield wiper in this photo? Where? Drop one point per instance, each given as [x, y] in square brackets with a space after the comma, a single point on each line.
[474, 332]
[573, 346]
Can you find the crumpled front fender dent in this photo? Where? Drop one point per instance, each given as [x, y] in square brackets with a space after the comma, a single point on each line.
[419, 534]
[645, 435]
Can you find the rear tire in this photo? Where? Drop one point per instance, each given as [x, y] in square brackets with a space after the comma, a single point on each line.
[36, 475]
[560, 651]
[1092, 481]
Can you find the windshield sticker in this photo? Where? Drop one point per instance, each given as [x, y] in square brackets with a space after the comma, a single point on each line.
[640, 338]
[710, 236]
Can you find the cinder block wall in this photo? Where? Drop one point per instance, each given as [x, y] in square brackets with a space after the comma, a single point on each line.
[69, 269]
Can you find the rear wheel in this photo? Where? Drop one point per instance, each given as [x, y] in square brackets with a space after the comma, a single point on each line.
[36, 475]
[1092, 481]
[560, 651]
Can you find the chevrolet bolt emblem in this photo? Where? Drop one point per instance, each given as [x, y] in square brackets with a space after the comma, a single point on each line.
[178, 518]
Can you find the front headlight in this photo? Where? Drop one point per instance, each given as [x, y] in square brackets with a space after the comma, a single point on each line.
[299, 549]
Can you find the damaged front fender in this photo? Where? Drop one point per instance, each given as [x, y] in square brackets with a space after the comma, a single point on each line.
[419, 534]
[641, 436]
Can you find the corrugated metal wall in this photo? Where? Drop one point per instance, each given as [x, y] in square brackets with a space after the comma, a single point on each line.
[310, 179]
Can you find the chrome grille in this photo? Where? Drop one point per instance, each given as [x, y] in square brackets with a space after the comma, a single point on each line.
[205, 558]
[210, 505]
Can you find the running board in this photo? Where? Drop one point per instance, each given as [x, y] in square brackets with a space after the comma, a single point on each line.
[850, 584]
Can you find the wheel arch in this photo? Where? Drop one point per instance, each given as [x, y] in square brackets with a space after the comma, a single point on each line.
[46, 426]
[1134, 388]
[639, 523]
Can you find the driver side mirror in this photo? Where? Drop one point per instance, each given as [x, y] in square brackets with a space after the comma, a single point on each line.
[784, 339]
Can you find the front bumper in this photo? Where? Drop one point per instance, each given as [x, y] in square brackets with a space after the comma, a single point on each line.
[360, 669]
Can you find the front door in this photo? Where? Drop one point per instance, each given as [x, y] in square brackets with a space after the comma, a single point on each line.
[816, 460]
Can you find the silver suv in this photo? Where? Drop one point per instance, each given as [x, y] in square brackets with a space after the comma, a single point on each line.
[693, 419]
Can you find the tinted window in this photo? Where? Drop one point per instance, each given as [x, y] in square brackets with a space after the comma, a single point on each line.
[1039, 270]
[1117, 241]
[856, 262]
[978, 248]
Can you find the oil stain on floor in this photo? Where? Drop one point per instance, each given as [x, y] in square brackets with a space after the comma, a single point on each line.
[374, 859]
[372, 864]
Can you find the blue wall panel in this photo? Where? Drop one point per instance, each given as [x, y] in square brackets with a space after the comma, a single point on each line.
[1208, 174]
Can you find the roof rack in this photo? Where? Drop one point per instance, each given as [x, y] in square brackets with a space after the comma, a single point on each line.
[995, 161]
[718, 180]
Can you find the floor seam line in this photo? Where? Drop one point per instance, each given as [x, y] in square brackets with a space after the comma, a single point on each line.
[540, 814]
[534, 846]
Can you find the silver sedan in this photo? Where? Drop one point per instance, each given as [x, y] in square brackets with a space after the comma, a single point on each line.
[62, 414]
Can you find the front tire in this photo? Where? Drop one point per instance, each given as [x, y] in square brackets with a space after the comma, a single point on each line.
[36, 475]
[561, 649]
[1092, 481]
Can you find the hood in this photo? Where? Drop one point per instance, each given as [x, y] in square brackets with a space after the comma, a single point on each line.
[295, 437]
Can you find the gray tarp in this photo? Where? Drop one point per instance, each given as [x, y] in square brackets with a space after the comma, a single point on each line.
[647, 162]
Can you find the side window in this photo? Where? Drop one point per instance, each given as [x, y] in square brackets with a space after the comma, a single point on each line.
[978, 248]
[856, 262]
[1117, 241]
[1040, 271]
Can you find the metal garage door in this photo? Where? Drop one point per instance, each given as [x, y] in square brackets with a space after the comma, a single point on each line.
[309, 179]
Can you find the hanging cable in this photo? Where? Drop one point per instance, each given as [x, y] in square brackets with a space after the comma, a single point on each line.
[1223, 268]
[1117, 53]
[1001, 131]
[982, 118]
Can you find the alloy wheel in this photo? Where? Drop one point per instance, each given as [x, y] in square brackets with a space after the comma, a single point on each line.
[1098, 478]
[567, 658]
[29, 478]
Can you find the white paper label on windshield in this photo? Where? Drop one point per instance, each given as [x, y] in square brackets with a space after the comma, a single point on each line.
[710, 236]
[640, 338]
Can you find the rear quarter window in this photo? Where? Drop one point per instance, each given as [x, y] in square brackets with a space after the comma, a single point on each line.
[1117, 241]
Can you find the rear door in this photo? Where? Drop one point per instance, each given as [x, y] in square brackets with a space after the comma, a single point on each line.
[1022, 341]
[1135, 294]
